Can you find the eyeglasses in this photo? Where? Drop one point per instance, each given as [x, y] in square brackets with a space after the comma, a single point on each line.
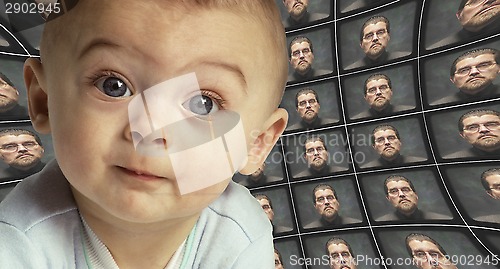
[474, 128]
[474, 3]
[336, 256]
[379, 33]
[266, 207]
[305, 102]
[381, 88]
[422, 255]
[381, 140]
[311, 151]
[495, 187]
[305, 51]
[395, 191]
[322, 199]
[13, 147]
[481, 67]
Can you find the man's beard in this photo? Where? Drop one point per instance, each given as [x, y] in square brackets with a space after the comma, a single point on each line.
[6, 104]
[389, 154]
[488, 144]
[407, 207]
[303, 68]
[318, 164]
[310, 117]
[475, 86]
[380, 104]
[25, 163]
[374, 53]
[298, 12]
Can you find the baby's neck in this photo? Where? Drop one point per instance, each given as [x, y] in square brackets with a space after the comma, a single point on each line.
[141, 245]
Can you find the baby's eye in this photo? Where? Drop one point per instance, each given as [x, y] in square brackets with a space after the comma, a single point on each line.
[201, 105]
[113, 87]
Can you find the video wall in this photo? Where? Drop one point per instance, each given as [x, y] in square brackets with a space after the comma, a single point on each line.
[394, 132]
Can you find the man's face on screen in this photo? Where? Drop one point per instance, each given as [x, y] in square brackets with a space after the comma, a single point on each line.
[296, 8]
[316, 155]
[387, 144]
[20, 151]
[266, 206]
[375, 39]
[326, 204]
[427, 255]
[95, 77]
[308, 107]
[302, 57]
[494, 186]
[402, 197]
[474, 74]
[477, 14]
[9, 96]
[259, 173]
[378, 94]
[278, 264]
[341, 257]
[482, 132]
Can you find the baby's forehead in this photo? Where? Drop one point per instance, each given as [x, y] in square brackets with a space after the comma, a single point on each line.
[148, 25]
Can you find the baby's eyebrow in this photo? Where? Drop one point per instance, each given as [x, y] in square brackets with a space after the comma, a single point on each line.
[97, 43]
[235, 69]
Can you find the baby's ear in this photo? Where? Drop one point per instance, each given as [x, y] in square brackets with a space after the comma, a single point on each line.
[263, 144]
[34, 79]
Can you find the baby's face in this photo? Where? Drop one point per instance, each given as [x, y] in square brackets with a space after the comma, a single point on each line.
[120, 49]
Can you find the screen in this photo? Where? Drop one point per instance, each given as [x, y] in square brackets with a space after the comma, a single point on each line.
[393, 137]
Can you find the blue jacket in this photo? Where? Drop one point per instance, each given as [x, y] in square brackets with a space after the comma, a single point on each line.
[40, 227]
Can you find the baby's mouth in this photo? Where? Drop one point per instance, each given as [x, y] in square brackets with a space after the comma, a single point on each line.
[140, 173]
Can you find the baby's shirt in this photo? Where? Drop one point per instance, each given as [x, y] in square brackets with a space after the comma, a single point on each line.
[40, 227]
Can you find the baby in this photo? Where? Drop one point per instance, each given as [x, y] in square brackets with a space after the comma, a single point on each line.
[104, 203]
